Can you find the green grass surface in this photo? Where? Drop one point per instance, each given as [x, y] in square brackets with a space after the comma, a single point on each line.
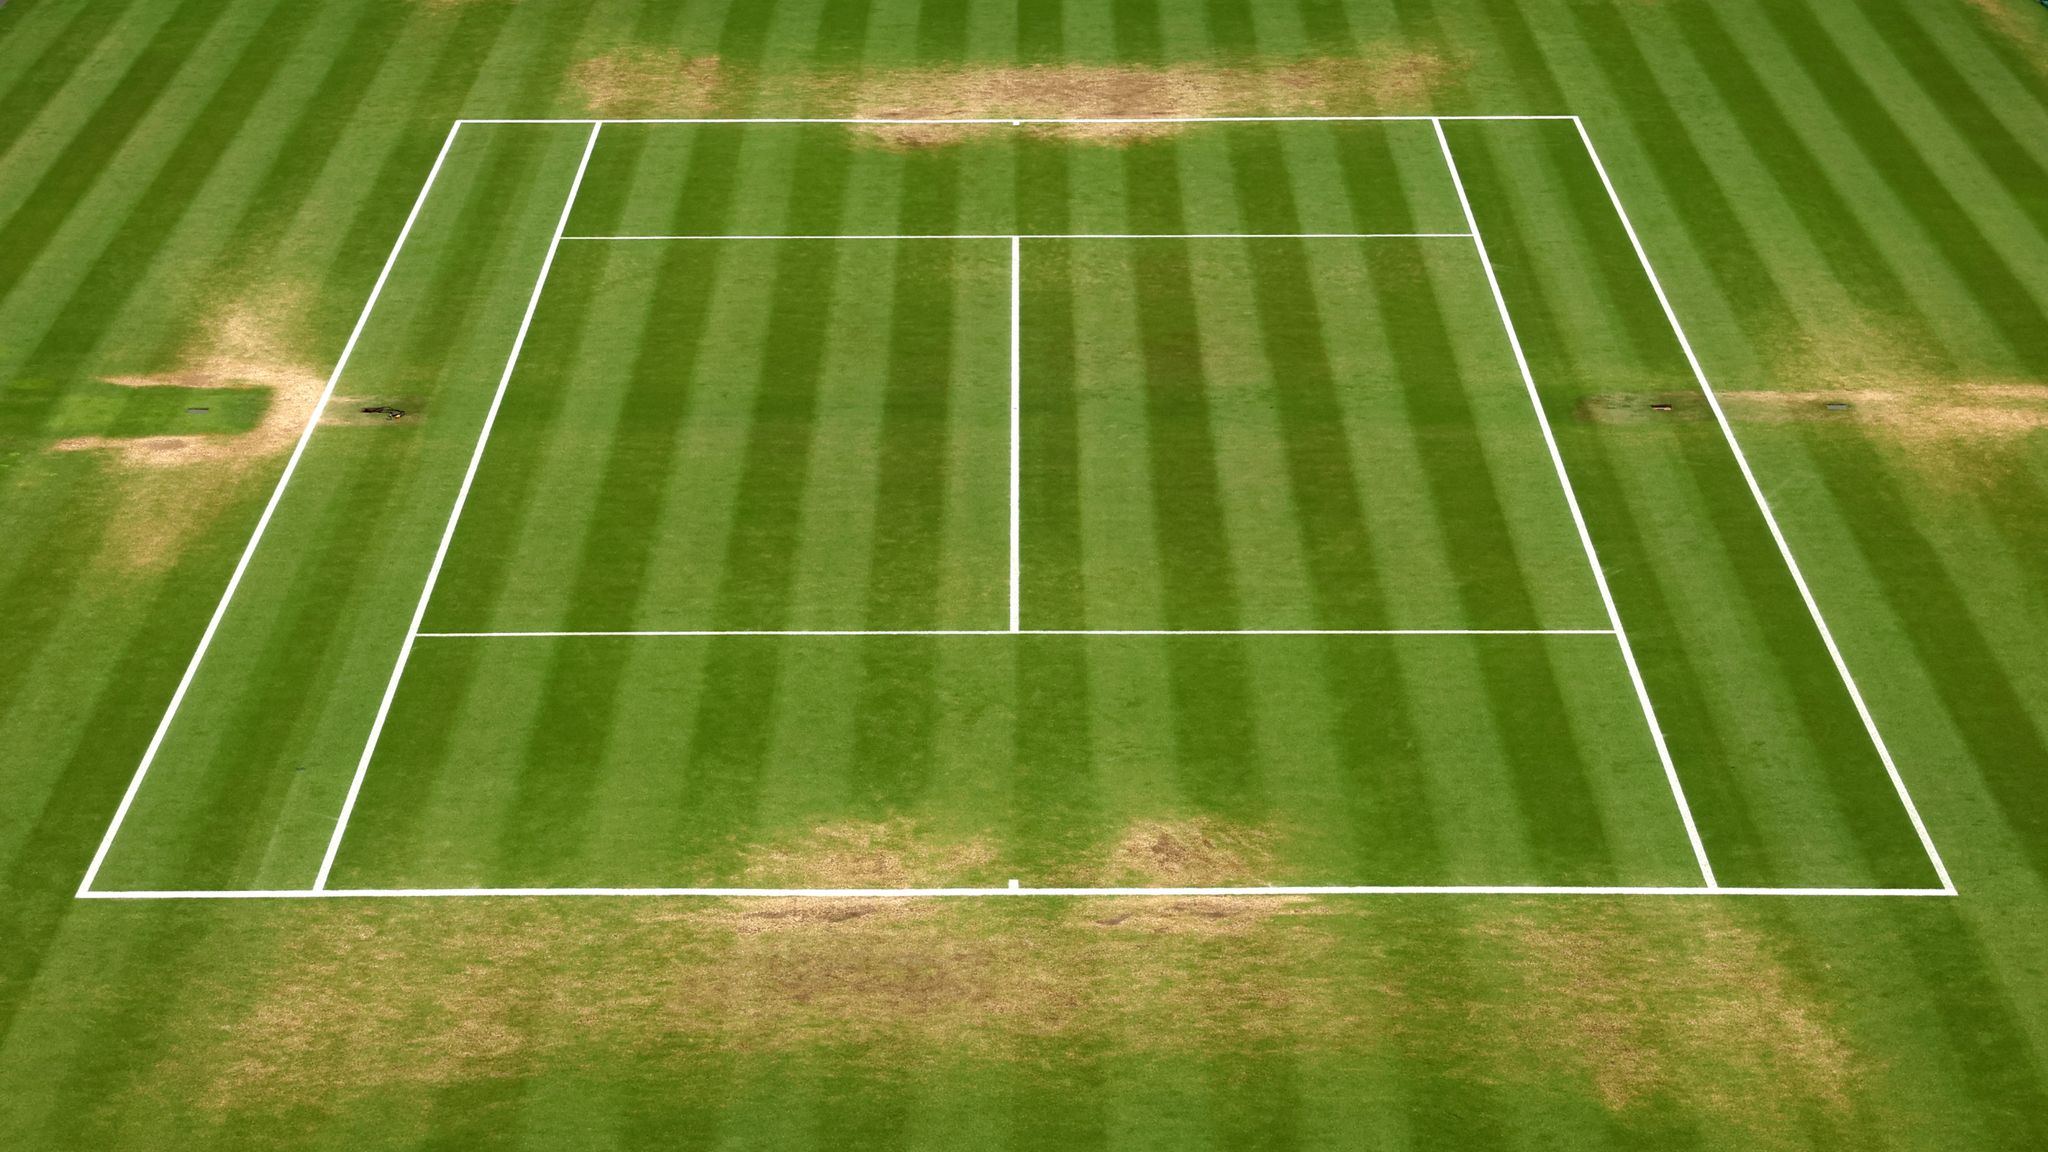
[1844, 201]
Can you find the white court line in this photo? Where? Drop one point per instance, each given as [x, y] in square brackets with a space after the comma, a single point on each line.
[291, 467]
[955, 893]
[1034, 632]
[1628, 656]
[483, 438]
[1884, 753]
[1043, 236]
[1016, 426]
[997, 120]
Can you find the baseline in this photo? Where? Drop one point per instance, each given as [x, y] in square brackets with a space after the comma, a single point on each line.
[908, 893]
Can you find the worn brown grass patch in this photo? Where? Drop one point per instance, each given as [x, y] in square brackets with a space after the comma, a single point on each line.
[1196, 853]
[171, 487]
[1386, 80]
[2019, 25]
[1923, 412]
[1687, 1005]
[357, 1000]
[863, 854]
[648, 82]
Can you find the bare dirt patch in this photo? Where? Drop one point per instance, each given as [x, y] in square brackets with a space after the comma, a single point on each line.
[648, 82]
[1385, 81]
[1686, 1004]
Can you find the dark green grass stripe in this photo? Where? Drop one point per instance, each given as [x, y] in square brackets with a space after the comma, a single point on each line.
[2014, 495]
[44, 79]
[1135, 31]
[941, 31]
[124, 1032]
[1983, 270]
[2022, 176]
[38, 876]
[1327, 25]
[1232, 34]
[731, 731]
[912, 476]
[843, 31]
[1981, 701]
[761, 548]
[1322, 477]
[59, 553]
[1395, 833]
[1824, 211]
[1215, 743]
[120, 270]
[1200, 589]
[1041, 35]
[1668, 669]
[1692, 188]
[1055, 814]
[1052, 577]
[1445, 1104]
[893, 742]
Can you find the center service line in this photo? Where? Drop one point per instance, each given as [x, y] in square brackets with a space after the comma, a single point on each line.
[1016, 431]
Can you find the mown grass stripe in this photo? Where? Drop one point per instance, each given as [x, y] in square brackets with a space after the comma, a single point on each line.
[1999, 292]
[33, 226]
[1971, 120]
[1321, 476]
[893, 743]
[1052, 576]
[1806, 185]
[43, 81]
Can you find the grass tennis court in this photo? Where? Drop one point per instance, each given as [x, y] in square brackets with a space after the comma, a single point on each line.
[868, 574]
[749, 552]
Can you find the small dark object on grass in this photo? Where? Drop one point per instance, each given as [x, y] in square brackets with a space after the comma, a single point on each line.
[1660, 407]
[388, 411]
[195, 409]
[1843, 405]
